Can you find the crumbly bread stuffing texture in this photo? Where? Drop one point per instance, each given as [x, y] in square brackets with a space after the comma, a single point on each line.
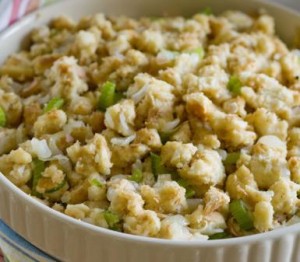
[202, 111]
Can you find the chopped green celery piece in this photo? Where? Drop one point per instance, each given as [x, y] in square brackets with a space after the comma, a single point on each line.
[221, 235]
[207, 11]
[157, 167]
[189, 193]
[111, 219]
[54, 103]
[232, 158]
[174, 174]
[137, 175]
[2, 117]
[182, 183]
[53, 32]
[38, 169]
[241, 214]
[96, 182]
[165, 136]
[234, 85]
[199, 51]
[157, 18]
[117, 227]
[107, 97]
[118, 96]
[58, 187]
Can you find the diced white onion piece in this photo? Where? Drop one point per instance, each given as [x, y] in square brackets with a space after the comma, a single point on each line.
[124, 124]
[166, 56]
[122, 141]
[170, 126]
[40, 148]
[139, 95]
[272, 141]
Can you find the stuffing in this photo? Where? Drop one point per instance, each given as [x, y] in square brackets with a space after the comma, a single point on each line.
[37, 148]
[68, 78]
[11, 104]
[76, 130]
[85, 44]
[8, 140]
[52, 183]
[175, 227]
[177, 154]
[265, 24]
[293, 142]
[151, 41]
[207, 224]
[148, 137]
[267, 123]
[165, 196]
[154, 99]
[83, 105]
[120, 117]
[239, 20]
[97, 188]
[215, 199]
[155, 127]
[266, 92]
[41, 65]
[229, 128]
[63, 22]
[30, 114]
[255, 195]
[119, 45]
[96, 217]
[146, 223]
[123, 197]
[93, 157]
[202, 134]
[294, 167]
[16, 166]
[212, 82]
[123, 156]
[78, 211]
[290, 67]
[103, 24]
[236, 183]
[285, 200]
[95, 120]
[268, 162]
[206, 168]
[263, 216]
[187, 63]
[236, 106]
[78, 193]
[183, 133]
[49, 123]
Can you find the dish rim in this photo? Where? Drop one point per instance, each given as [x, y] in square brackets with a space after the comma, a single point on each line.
[31, 201]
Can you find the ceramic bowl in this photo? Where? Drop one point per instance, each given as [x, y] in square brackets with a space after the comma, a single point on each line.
[68, 239]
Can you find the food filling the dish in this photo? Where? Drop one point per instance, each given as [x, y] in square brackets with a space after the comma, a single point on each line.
[167, 127]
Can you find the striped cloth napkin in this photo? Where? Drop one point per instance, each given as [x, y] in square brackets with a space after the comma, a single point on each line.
[12, 10]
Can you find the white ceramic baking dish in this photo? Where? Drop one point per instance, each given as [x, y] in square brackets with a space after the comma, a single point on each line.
[71, 240]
